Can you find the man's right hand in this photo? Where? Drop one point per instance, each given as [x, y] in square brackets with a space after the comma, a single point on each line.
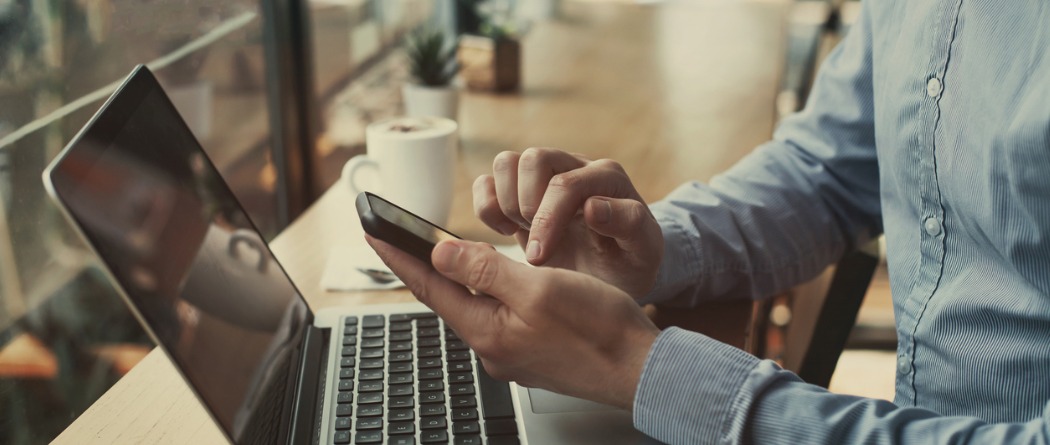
[570, 212]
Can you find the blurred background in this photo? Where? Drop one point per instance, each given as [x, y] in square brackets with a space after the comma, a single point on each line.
[279, 93]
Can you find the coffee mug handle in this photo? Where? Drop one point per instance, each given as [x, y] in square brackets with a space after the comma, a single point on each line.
[351, 168]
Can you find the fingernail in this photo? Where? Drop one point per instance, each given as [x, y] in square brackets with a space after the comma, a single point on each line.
[603, 211]
[446, 255]
[532, 251]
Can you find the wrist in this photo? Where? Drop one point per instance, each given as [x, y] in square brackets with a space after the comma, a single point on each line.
[636, 353]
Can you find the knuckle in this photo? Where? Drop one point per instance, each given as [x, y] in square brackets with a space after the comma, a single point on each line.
[483, 272]
[535, 158]
[568, 180]
[609, 164]
[542, 221]
[505, 161]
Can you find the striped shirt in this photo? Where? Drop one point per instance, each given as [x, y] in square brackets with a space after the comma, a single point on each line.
[930, 123]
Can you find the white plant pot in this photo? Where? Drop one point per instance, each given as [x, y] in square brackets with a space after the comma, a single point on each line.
[422, 101]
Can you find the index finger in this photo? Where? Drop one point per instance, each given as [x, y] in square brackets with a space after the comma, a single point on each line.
[467, 313]
[565, 196]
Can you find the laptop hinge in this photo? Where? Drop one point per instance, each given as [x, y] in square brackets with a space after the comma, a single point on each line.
[305, 413]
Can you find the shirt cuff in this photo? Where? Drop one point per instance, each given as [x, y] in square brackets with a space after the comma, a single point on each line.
[690, 390]
[680, 262]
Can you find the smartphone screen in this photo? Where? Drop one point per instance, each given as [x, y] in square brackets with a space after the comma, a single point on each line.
[414, 224]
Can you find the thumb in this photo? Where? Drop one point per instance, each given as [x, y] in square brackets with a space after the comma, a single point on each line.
[628, 221]
[480, 267]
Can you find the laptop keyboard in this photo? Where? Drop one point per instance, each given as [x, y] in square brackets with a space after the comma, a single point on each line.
[406, 379]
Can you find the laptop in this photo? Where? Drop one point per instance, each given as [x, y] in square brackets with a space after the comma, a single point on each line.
[196, 273]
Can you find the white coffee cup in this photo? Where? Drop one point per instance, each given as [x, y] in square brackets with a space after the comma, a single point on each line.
[413, 163]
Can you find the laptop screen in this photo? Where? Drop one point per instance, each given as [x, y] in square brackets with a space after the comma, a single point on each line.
[193, 266]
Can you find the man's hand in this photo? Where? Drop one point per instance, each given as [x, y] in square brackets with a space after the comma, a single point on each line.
[540, 327]
[573, 213]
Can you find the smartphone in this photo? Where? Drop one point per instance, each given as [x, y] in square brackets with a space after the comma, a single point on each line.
[403, 229]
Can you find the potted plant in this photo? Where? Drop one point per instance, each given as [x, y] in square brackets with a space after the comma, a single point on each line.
[433, 66]
[491, 60]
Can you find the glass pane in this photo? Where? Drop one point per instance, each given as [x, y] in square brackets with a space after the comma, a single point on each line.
[65, 336]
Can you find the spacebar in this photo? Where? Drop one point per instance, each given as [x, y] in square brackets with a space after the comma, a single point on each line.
[496, 402]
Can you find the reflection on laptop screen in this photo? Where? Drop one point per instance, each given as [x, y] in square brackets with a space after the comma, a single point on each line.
[142, 191]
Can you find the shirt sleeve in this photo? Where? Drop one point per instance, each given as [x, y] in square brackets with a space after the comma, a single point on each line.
[696, 390]
[790, 208]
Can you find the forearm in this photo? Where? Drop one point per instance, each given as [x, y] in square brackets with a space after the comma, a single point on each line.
[696, 390]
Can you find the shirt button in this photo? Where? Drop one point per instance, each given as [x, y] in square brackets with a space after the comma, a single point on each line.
[932, 226]
[903, 365]
[933, 87]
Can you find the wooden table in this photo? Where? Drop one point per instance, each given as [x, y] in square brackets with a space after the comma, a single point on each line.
[674, 92]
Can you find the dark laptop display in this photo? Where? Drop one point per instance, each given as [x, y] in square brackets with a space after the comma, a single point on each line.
[141, 190]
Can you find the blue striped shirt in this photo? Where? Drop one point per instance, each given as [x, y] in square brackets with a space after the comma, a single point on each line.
[929, 123]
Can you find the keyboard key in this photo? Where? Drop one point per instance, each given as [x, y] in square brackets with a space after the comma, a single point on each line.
[425, 363]
[460, 367]
[431, 323]
[370, 343]
[344, 409]
[429, 332]
[373, 333]
[456, 345]
[370, 387]
[397, 379]
[341, 437]
[397, 428]
[400, 327]
[370, 398]
[372, 374]
[373, 321]
[433, 385]
[400, 336]
[400, 415]
[349, 340]
[451, 336]
[346, 373]
[432, 342]
[401, 346]
[434, 436]
[431, 374]
[400, 357]
[429, 352]
[351, 320]
[432, 397]
[374, 423]
[401, 390]
[496, 401]
[349, 351]
[459, 377]
[345, 397]
[369, 411]
[432, 410]
[346, 385]
[463, 402]
[461, 389]
[466, 428]
[423, 315]
[375, 353]
[372, 364]
[402, 440]
[464, 414]
[401, 367]
[347, 362]
[369, 437]
[343, 423]
[452, 356]
[467, 440]
[400, 317]
[500, 427]
[504, 440]
[401, 402]
[432, 423]
[350, 330]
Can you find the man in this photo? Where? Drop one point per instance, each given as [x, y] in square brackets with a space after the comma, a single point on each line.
[929, 123]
